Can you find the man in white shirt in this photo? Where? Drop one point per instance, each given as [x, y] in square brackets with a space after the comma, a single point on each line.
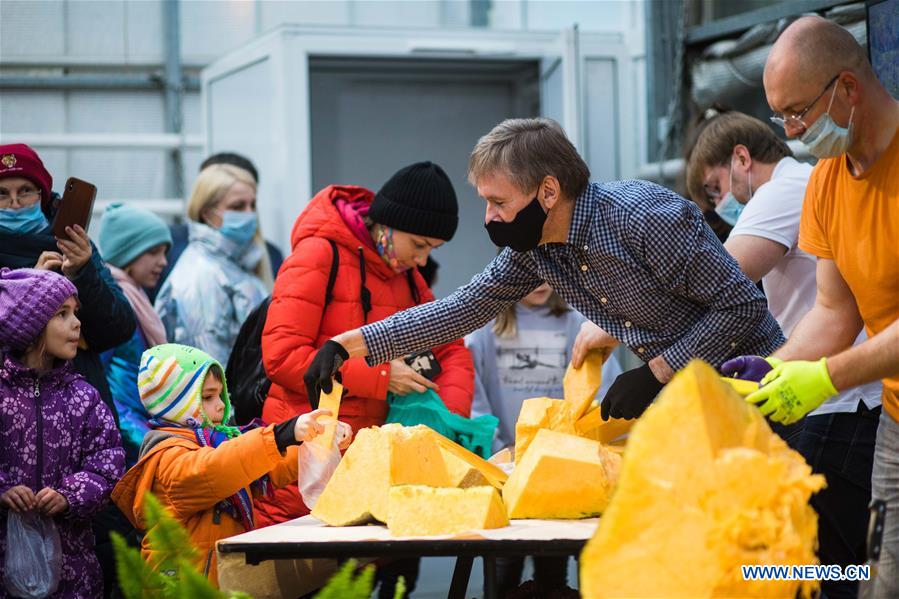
[749, 174]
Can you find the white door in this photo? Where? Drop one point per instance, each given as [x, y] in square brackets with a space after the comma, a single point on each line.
[259, 100]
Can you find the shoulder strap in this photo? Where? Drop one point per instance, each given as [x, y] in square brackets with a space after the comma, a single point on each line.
[332, 276]
[410, 277]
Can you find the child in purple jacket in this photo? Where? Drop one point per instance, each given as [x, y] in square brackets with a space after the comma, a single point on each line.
[60, 451]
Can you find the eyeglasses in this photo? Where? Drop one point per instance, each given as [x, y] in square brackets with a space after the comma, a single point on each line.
[795, 120]
[712, 187]
[25, 198]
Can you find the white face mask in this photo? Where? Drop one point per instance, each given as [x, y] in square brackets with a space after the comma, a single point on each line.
[826, 139]
[730, 207]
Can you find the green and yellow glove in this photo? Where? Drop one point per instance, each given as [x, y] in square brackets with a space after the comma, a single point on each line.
[793, 389]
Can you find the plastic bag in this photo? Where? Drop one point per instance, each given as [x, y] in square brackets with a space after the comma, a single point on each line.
[33, 555]
[317, 463]
[474, 434]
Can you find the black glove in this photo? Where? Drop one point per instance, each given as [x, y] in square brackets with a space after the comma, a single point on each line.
[329, 358]
[630, 394]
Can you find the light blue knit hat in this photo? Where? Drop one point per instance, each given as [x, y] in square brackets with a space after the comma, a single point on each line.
[129, 231]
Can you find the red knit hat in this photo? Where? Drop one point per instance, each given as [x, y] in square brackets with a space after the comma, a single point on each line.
[20, 160]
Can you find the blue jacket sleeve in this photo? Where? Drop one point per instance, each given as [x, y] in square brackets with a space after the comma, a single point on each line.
[107, 319]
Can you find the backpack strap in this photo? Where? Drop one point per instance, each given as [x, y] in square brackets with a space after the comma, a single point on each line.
[332, 276]
[364, 293]
[410, 277]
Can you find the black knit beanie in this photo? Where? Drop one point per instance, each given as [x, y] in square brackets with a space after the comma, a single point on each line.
[418, 199]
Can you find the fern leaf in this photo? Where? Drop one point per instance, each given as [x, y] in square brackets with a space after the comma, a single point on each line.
[400, 590]
[364, 582]
[169, 539]
[339, 585]
[136, 577]
[345, 584]
[193, 585]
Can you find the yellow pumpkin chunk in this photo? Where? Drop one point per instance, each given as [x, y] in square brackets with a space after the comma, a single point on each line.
[705, 488]
[561, 476]
[465, 469]
[330, 401]
[415, 510]
[580, 385]
[592, 426]
[540, 413]
[379, 458]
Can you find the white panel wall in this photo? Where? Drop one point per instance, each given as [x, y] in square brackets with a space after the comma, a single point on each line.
[237, 127]
[20, 19]
[32, 111]
[600, 113]
[128, 36]
[212, 28]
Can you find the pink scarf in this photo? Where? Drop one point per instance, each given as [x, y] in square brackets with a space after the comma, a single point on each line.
[353, 214]
[147, 319]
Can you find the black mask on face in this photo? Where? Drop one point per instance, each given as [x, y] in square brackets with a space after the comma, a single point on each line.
[523, 233]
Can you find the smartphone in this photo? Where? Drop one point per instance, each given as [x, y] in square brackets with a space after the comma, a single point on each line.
[75, 208]
[424, 363]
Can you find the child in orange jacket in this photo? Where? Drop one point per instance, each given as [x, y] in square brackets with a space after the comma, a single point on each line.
[202, 470]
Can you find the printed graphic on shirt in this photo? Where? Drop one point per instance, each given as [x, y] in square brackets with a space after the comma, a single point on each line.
[534, 365]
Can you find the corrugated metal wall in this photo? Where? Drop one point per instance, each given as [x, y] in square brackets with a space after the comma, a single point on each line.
[118, 136]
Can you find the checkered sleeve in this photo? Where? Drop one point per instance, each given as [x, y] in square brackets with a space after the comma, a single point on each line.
[507, 279]
[688, 260]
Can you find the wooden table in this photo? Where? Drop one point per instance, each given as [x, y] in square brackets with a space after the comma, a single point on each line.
[308, 537]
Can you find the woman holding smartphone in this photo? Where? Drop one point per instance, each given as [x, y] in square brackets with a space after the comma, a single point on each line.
[27, 209]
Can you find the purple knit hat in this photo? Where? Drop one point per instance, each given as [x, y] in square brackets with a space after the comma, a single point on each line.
[28, 300]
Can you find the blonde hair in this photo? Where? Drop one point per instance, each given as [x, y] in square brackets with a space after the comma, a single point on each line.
[506, 324]
[211, 185]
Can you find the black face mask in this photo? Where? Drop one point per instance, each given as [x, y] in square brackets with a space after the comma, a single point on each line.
[523, 233]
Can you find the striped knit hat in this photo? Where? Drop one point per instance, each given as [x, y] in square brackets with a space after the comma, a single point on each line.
[170, 382]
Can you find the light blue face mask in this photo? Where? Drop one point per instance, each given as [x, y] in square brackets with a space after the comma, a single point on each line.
[22, 221]
[826, 139]
[730, 207]
[239, 227]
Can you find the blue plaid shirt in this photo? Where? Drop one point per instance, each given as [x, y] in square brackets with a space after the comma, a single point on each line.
[640, 261]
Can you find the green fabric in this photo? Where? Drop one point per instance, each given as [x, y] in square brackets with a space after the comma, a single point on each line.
[793, 389]
[474, 434]
[190, 359]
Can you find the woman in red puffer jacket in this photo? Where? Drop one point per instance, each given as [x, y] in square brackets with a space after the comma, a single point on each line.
[378, 240]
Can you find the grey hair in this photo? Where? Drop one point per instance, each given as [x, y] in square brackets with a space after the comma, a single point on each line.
[527, 150]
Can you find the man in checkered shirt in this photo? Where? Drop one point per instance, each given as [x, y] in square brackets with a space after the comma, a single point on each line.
[635, 258]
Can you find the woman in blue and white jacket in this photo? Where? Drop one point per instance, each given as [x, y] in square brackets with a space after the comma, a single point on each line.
[224, 272]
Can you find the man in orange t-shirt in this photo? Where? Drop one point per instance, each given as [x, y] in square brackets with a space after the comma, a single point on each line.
[819, 82]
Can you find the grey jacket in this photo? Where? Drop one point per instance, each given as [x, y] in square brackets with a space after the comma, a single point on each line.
[210, 292]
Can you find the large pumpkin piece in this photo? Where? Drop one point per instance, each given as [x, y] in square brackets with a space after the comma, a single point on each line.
[561, 476]
[415, 510]
[705, 487]
[390, 455]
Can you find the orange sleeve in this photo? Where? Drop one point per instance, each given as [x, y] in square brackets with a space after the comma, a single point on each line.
[195, 480]
[286, 470]
[812, 235]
